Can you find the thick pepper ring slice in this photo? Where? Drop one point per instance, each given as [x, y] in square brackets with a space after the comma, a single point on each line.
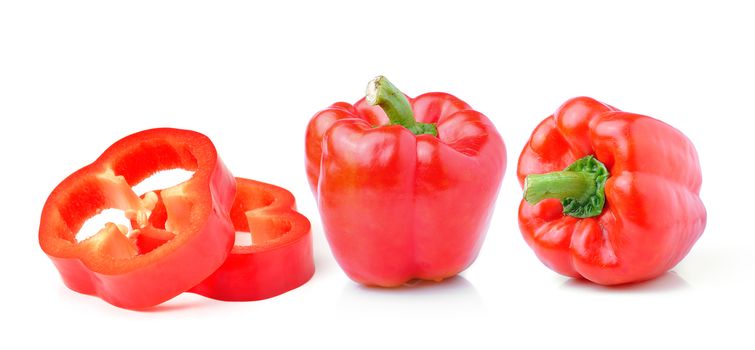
[117, 265]
[280, 257]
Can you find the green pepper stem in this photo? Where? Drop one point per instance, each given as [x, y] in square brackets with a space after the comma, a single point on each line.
[559, 184]
[580, 187]
[380, 92]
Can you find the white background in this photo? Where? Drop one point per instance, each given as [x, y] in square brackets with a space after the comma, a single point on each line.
[76, 76]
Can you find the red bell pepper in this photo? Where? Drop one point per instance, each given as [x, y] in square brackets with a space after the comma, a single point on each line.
[280, 258]
[609, 196]
[142, 268]
[400, 198]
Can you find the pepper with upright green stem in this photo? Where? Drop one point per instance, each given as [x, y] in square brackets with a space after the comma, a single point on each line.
[398, 205]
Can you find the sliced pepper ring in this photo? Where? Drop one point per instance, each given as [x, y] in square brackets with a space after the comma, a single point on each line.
[110, 264]
[280, 258]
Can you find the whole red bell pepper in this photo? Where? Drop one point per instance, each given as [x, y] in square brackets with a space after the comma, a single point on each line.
[609, 196]
[280, 257]
[150, 264]
[404, 198]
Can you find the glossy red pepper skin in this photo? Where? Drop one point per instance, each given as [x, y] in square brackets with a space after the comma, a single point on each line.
[653, 213]
[121, 269]
[396, 206]
[280, 258]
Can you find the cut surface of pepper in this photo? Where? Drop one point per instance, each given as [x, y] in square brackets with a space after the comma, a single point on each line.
[280, 256]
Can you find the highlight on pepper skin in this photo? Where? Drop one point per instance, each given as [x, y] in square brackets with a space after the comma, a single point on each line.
[405, 186]
[609, 196]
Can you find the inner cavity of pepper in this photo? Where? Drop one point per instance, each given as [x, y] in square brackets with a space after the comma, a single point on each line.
[130, 224]
[256, 220]
[263, 228]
